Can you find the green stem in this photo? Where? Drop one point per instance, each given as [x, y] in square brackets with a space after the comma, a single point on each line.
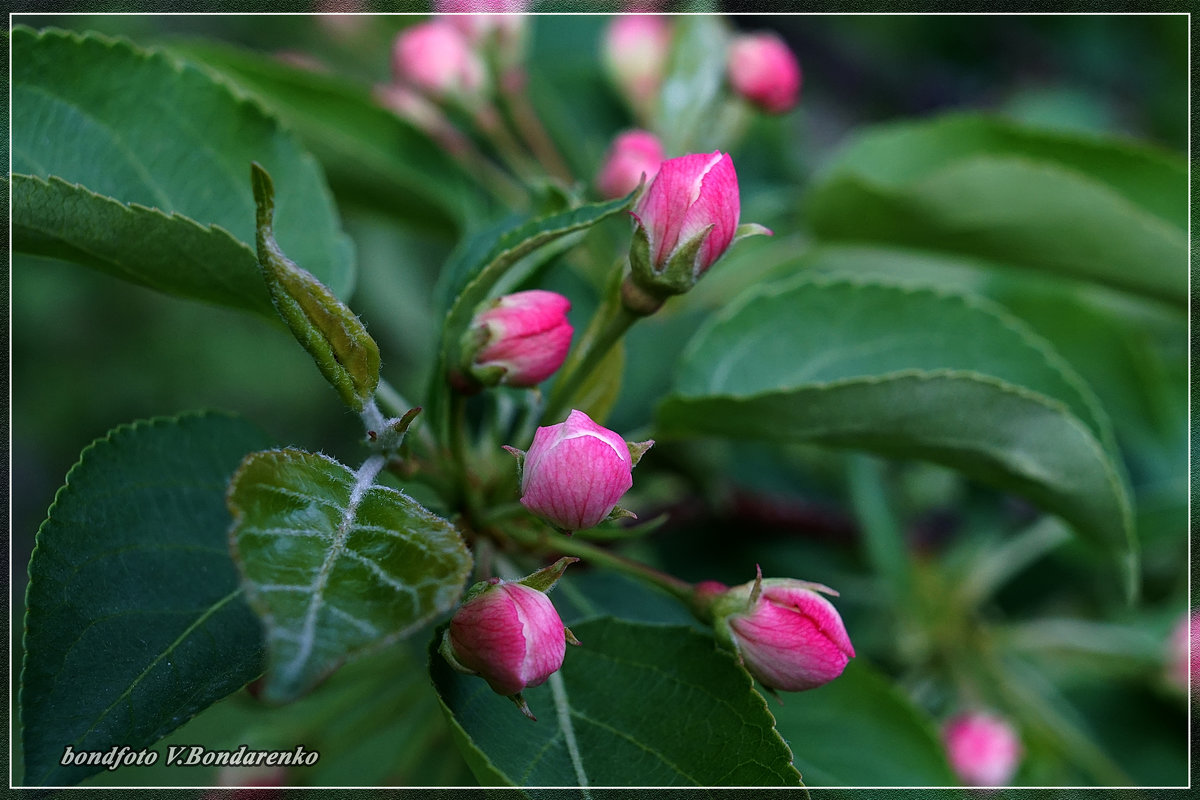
[534, 134]
[593, 352]
[459, 454]
[571, 546]
[397, 406]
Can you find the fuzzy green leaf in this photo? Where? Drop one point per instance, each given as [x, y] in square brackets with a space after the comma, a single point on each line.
[135, 618]
[334, 563]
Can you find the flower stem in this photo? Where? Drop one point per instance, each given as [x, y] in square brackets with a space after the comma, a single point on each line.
[592, 351]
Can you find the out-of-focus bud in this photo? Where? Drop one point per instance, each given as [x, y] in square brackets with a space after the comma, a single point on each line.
[983, 749]
[763, 70]
[576, 471]
[435, 59]
[252, 776]
[632, 155]
[786, 634]
[518, 340]
[480, 8]
[1183, 671]
[509, 634]
[636, 47]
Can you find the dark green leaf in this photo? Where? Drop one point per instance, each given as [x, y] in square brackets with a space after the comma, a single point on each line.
[335, 564]
[336, 339]
[1102, 211]
[371, 156]
[635, 705]
[908, 373]
[135, 619]
[129, 162]
[859, 730]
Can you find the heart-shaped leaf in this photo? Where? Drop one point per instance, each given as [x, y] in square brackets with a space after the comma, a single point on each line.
[636, 705]
[130, 162]
[908, 373]
[334, 563]
[135, 618]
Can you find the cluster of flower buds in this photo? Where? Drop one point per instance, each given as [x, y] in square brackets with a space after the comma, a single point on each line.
[509, 634]
[785, 632]
[517, 340]
[983, 749]
[576, 472]
[763, 71]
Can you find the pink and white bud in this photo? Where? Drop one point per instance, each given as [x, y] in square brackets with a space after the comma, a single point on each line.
[983, 749]
[1184, 670]
[510, 635]
[786, 633]
[434, 58]
[520, 340]
[575, 473]
[763, 70]
[636, 47]
[632, 155]
[693, 200]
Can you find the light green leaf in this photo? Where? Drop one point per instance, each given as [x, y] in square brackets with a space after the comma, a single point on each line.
[859, 730]
[908, 373]
[135, 618]
[372, 157]
[129, 162]
[635, 705]
[1102, 211]
[327, 329]
[334, 563]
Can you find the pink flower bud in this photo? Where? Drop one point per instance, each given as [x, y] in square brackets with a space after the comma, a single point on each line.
[575, 472]
[983, 749]
[633, 153]
[510, 635]
[692, 201]
[789, 636]
[434, 58]
[636, 47]
[1184, 671]
[763, 70]
[479, 7]
[521, 339]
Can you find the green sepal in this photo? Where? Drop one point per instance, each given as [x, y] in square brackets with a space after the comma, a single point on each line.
[336, 339]
[620, 513]
[447, 652]
[544, 579]
[519, 699]
[678, 275]
[479, 588]
[638, 449]
[749, 229]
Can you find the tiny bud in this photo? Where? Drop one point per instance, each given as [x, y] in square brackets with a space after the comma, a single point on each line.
[1184, 671]
[763, 70]
[684, 222]
[636, 47]
[575, 473]
[983, 749]
[787, 634]
[435, 59]
[632, 155]
[519, 340]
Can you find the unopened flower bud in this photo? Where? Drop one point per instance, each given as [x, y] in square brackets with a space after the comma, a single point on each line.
[636, 47]
[576, 471]
[684, 221]
[786, 633]
[519, 340]
[434, 58]
[632, 155]
[509, 634]
[763, 70]
[983, 749]
[1184, 671]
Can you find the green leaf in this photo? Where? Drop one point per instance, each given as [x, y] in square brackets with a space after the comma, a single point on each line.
[1103, 211]
[859, 730]
[135, 619]
[334, 563]
[336, 339]
[129, 162]
[908, 373]
[372, 157]
[635, 705]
